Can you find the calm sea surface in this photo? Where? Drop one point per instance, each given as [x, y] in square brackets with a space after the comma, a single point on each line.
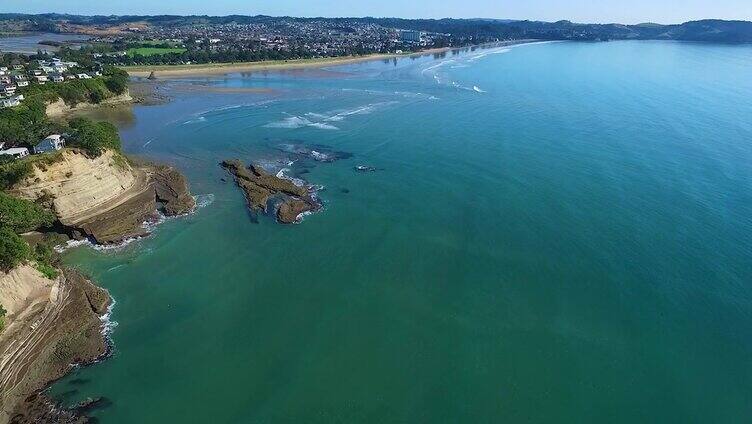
[29, 42]
[554, 233]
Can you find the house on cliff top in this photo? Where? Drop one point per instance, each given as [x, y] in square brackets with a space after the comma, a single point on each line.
[15, 152]
[50, 144]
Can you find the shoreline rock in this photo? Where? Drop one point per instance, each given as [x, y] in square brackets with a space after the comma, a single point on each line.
[52, 324]
[171, 190]
[107, 198]
[259, 186]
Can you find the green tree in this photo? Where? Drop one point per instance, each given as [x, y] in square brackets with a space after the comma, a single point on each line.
[117, 80]
[22, 215]
[45, 259]
[12, 171]
[93, 137]
[13, 249]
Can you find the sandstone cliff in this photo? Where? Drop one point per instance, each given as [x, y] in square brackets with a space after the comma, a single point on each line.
[51, 324]
[105, 198]
[59, 108]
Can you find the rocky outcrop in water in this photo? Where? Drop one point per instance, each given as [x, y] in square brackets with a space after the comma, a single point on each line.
[259, 186]
[171, 189]
[51, 324]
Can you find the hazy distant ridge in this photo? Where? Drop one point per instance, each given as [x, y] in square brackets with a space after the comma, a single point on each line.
[704, 30]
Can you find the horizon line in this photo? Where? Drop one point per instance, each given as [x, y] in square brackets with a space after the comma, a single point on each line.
[504, 20]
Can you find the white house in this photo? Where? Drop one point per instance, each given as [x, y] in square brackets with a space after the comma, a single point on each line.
[57, 78]
[16, 152]
[83, 76]
[9, 102]
[51, 143]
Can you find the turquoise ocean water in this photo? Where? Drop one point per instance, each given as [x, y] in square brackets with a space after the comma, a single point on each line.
[556, 232]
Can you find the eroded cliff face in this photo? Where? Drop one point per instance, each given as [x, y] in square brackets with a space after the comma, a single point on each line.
[78, 185]
[50, 325]
[105, 198]
[59, 109]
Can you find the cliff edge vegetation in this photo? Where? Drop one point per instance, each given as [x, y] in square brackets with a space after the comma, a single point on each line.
[52, 316]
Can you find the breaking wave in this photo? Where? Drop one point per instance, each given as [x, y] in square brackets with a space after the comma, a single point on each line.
[108, 324]
[204, 200]
[323, 120]
[195, 120]
[293, 122]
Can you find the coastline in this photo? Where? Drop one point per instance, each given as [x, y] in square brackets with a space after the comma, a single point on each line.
[61, 322]
[218, 69]
[55, 324]
[40, 406]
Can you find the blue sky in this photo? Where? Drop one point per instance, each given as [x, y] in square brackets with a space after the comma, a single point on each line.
[623, 11]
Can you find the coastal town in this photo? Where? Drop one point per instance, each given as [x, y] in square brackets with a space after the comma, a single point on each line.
[22, 72]
[243, 39]
[565, 241]
[74, 71]
[45, 77]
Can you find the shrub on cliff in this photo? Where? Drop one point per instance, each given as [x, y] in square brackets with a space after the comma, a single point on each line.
[21, 215]
[2, 318]
[13, 249]
[45, 260]
[93, 137]
[12, 171]
[116, 80]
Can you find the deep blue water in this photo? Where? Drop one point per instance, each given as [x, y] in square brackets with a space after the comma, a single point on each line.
[556, 233]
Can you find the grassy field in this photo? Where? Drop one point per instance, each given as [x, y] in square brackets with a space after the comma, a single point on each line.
[151, 51]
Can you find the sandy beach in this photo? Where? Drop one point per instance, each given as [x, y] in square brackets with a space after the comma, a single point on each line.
[214, 69]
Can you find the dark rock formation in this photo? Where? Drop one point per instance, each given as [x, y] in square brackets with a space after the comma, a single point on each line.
[289, 210]
[259, 186]
[171, 188]
[121, 222]
[165, 189]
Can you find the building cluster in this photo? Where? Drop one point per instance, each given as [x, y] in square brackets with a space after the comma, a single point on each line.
[40, 72]
[320, 37]
[311, 37]
[11, 77]
[110, 54]
[50, 143]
